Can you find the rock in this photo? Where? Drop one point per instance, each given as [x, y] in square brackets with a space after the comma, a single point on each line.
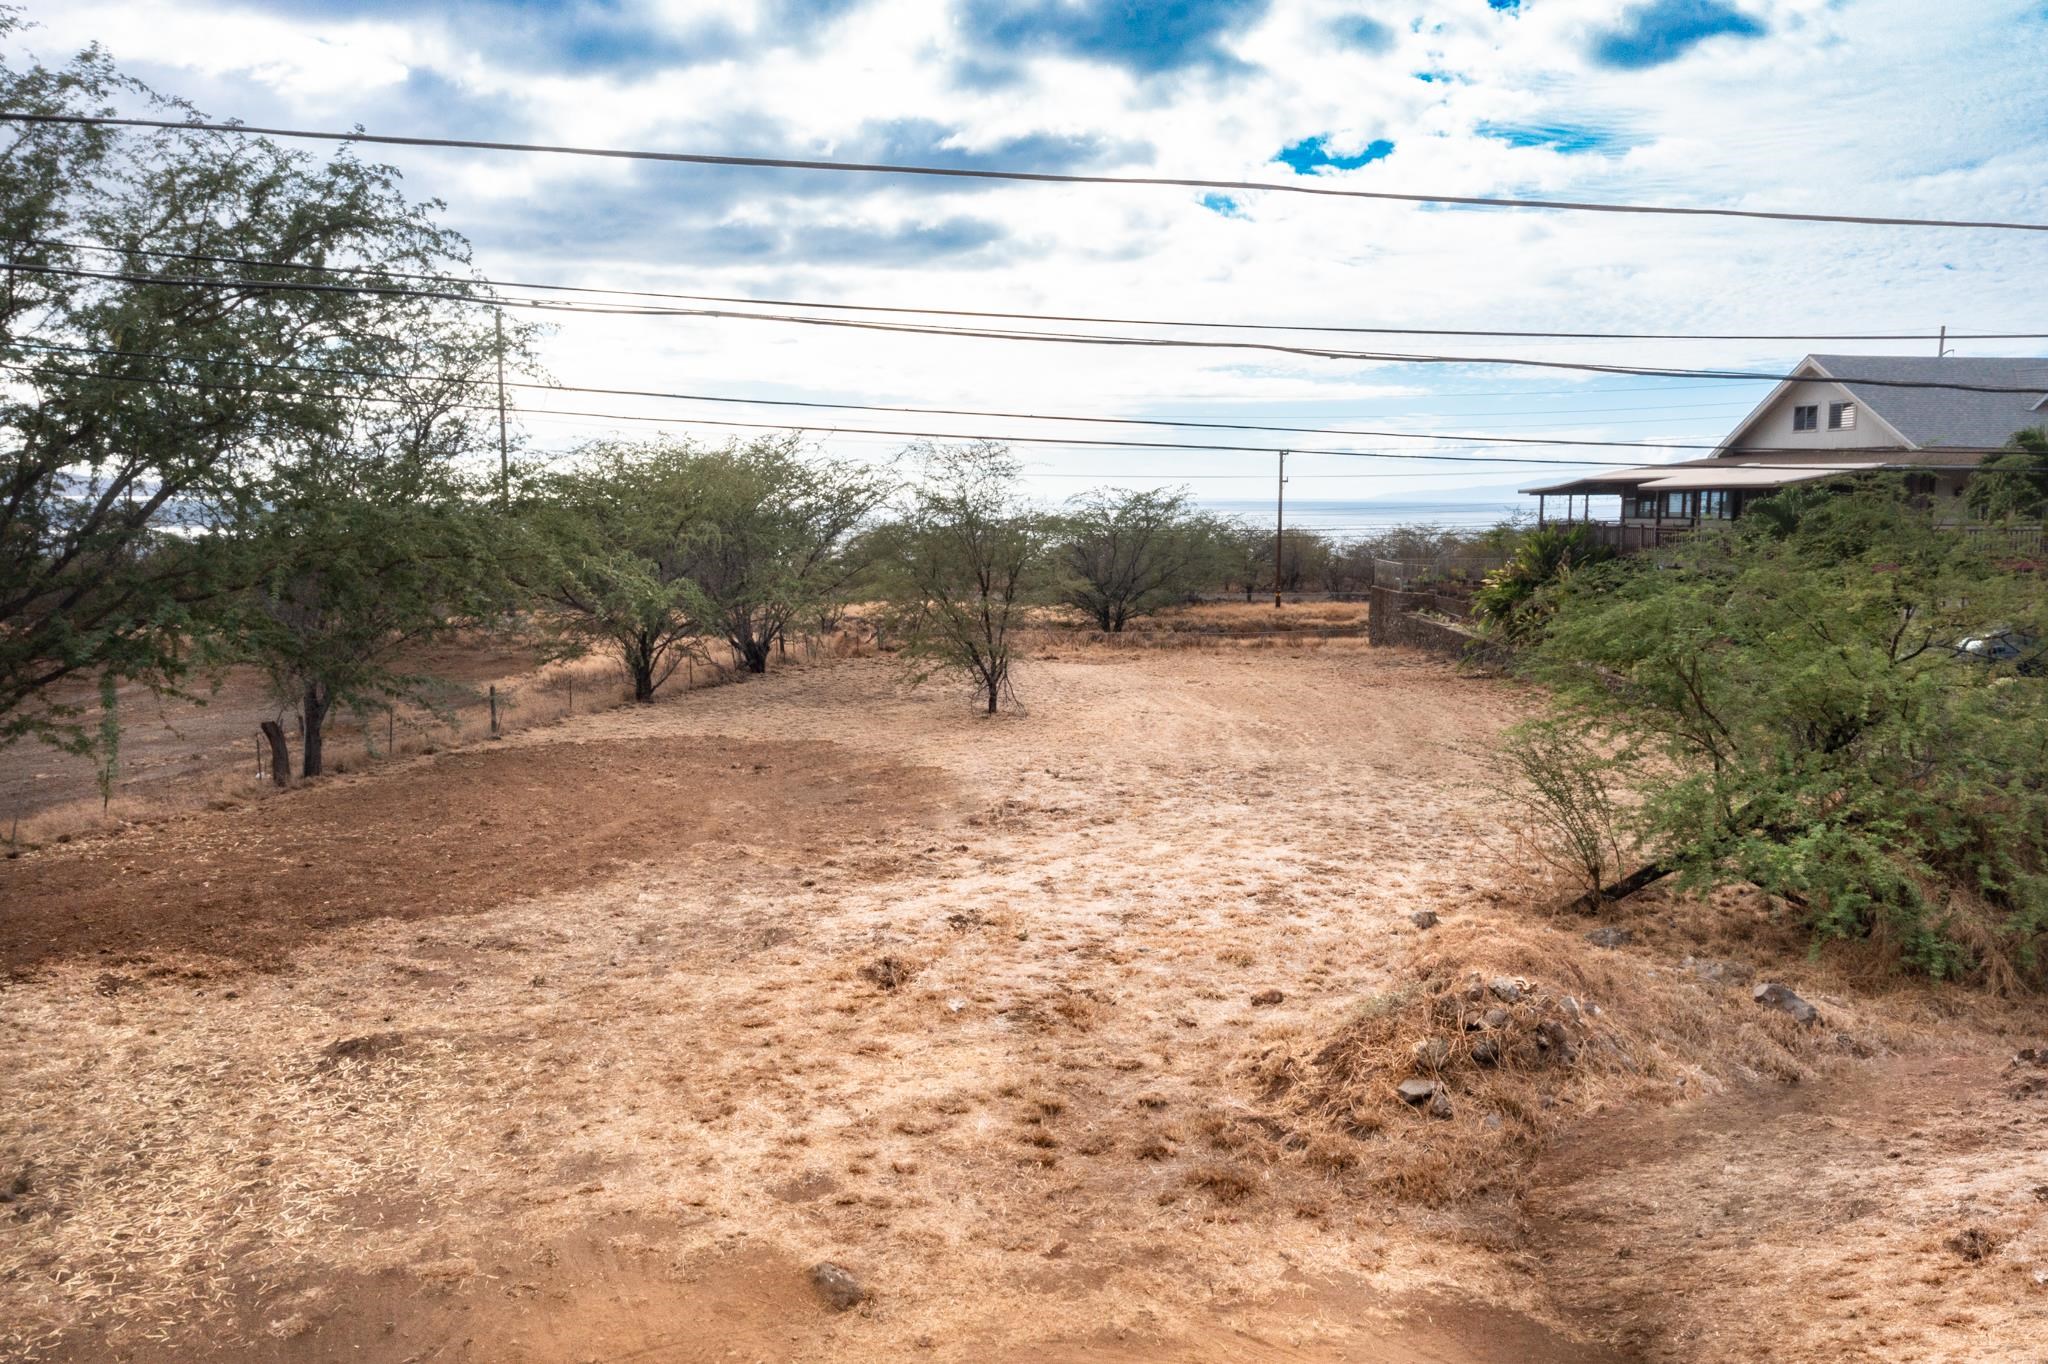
[2031, 1056]
[1552, 1038]
[1486, 1052]
[1505, 990]
[1267, 997]
[1497, 1018]
[1607, 935]
[1719, 972]
[1423, 918]
[1491, 1122]
[1432, 1053]
[1416, 1091]
[838, 1286]
[1439, 1105]
[1781, 998]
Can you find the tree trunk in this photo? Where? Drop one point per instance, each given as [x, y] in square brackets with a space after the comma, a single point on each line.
[1628, 885]
[754, 653]
[280, 753]
[313, 713]
[643, 681]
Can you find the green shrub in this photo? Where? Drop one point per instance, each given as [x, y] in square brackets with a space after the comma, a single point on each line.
[1789, 704]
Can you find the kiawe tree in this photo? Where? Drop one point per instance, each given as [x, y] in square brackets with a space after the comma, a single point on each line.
[1126, 554]
[775, 543]
[377, 533]
[144, 409]
[965, 559]
[2014, 483]
[1789, 706]
[650, 549]
[606, 553]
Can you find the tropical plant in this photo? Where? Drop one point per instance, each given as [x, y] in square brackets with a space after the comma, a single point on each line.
[1511, 601]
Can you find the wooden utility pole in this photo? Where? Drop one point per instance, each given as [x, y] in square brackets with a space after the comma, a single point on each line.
[1279, 525]
[504, 457]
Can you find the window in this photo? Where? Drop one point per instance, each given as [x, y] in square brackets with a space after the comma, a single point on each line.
[1714, 505]
[1806, 418]
[1841, 416]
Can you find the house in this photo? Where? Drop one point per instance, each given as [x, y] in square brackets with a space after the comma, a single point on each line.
[1836, 414]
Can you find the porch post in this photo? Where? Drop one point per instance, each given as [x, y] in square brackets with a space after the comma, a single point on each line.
[1542, 508]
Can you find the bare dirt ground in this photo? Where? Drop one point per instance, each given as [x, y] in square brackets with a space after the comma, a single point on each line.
[588, 1044]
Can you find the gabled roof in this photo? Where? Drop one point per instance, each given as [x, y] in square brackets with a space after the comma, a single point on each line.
[1931, 418]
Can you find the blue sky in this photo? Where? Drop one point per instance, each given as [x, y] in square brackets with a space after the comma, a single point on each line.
[1873, 106]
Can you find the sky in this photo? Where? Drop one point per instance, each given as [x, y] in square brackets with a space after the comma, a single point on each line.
[1891, 107]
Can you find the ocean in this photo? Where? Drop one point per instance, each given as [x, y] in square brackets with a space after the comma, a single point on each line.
[1349, 520]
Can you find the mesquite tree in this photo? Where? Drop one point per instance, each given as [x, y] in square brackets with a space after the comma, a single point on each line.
[149, 386]
[1125, 554]
[376, 535]
[606, 552]
[775, 542]
[966, 558]
[1789, 707]
[651, 548]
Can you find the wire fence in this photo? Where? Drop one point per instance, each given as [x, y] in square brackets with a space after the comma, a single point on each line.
[1406, 575]
[452, 715]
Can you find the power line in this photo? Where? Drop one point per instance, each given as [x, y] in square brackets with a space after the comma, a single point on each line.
[1429, 456]
[1462, 438]
[1434, 456]
[1072, 338]
[207, 259]
[1032, 177]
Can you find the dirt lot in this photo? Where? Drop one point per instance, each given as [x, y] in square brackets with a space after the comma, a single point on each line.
[590, 1043]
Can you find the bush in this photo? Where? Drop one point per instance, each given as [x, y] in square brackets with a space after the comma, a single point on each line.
[1792, 708]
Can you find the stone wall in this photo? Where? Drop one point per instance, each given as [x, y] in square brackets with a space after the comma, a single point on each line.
[1396, 621]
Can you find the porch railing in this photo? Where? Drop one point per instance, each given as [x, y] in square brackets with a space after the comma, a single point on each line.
[1629, 537]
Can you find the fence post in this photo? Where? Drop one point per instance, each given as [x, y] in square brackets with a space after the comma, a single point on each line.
[494, 710]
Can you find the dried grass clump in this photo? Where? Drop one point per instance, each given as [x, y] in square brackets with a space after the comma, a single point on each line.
[889, 973]
[1506, 1034]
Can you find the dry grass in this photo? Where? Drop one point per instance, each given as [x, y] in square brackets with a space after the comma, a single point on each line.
[1524, 1028]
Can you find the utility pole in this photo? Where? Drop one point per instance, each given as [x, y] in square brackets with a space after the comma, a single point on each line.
[1279, 525]
[504, 457]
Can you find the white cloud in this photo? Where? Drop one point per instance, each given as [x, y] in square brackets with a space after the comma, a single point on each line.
[1880, 106]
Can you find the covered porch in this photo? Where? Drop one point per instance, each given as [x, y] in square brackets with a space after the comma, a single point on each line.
[1660, 503]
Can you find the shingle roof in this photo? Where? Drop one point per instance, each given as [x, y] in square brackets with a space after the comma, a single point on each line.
[1955, 418]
